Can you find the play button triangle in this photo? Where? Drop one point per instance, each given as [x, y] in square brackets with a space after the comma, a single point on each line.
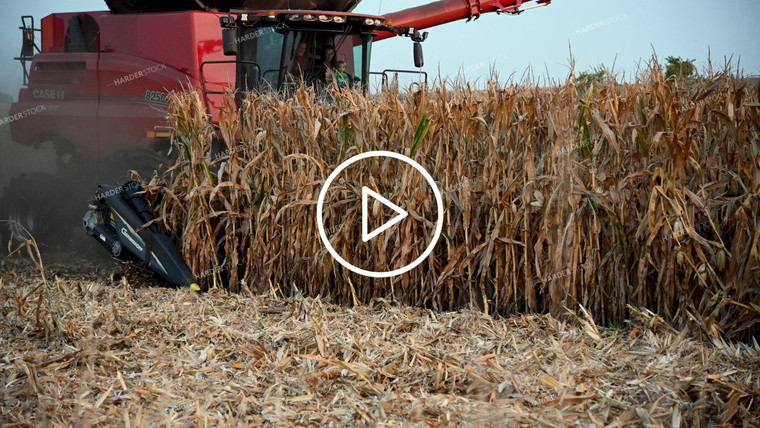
[366, 193]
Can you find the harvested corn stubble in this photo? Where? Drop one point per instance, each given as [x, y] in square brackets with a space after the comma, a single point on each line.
[86, 350]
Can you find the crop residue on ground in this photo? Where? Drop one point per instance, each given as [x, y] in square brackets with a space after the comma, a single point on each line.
[83, 349]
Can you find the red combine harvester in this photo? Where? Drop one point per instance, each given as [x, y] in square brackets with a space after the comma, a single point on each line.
[98, 81]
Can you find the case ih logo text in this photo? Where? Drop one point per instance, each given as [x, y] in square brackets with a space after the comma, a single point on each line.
[48, 94]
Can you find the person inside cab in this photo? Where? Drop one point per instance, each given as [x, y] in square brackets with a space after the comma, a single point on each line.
[300, 66]
[326, 71]
[344, 80]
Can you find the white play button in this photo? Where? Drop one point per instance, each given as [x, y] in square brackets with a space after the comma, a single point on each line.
[366, 193]
[350, 247]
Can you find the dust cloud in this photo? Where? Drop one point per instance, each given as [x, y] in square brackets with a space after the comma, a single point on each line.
[30, 176]
[16, 159]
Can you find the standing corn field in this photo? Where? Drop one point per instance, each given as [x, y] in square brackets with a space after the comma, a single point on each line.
[642, 194]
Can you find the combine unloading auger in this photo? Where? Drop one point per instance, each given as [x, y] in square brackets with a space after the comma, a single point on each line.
[445, 11]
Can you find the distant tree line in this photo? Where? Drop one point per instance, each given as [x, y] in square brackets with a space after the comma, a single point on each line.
[675, 67]
[679, 67]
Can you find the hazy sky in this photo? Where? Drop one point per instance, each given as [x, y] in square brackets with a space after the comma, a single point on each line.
[598, 31]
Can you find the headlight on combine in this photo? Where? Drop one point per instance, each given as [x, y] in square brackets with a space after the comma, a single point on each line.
[309, 17]
[294, 17]
[324, 18]
[339, 19]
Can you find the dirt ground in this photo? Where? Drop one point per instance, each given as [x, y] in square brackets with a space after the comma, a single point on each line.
[89, 347]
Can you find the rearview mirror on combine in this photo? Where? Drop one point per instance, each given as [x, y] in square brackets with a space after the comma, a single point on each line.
[419, 58]
[229, 41]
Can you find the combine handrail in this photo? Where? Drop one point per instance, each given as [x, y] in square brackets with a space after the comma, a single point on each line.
[384, 74]
[28, 45]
